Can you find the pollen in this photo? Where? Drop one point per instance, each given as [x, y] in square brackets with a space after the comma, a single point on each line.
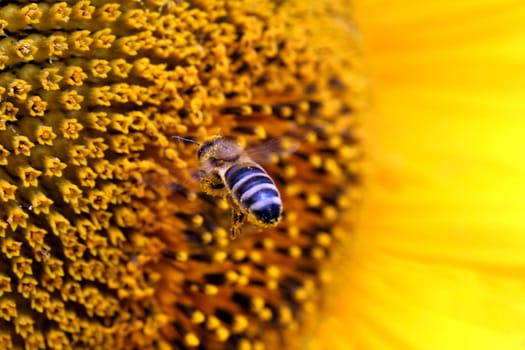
[106, 238]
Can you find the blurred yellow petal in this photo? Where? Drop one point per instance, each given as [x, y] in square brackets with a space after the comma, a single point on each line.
[439, 259]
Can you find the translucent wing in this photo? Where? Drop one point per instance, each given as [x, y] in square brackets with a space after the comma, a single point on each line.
[272, 149]
[184, 183]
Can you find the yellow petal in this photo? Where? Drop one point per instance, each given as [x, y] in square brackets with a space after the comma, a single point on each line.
[438, 262]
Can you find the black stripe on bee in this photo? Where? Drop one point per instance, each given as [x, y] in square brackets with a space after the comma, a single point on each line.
[270, 212]
[241, 172]
[249, 183]
[255, 191]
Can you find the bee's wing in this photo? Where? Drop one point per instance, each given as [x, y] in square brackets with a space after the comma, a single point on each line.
[185, 183]
[271, 149]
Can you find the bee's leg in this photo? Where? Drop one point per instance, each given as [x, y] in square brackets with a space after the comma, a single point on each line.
[238, 218]
[213, 185]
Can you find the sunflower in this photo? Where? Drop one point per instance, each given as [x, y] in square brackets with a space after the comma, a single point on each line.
[106, 240]
[438, 260]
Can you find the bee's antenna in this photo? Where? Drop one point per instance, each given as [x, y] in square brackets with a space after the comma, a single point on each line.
[180, 138]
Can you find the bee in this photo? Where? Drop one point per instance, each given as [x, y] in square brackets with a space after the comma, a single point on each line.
[226, 169]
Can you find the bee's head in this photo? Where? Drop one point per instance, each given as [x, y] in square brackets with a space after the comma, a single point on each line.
[218, 151]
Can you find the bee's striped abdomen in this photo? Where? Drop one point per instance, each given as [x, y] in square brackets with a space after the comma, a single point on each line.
[255, 191]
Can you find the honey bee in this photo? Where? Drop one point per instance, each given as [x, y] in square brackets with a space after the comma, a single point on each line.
[226, 169]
